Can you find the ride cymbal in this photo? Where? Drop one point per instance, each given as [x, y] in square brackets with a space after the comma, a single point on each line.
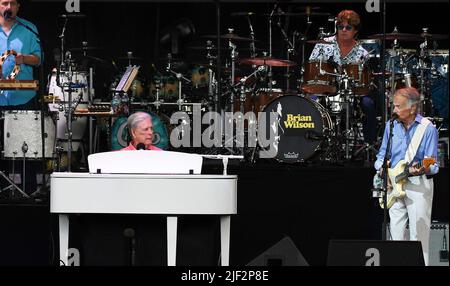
[229, 36]
[398, 36]
[266, 61]
[302, 14]
[429, 36]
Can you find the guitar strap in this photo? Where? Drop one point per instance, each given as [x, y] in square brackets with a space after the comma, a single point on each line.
[415, 141]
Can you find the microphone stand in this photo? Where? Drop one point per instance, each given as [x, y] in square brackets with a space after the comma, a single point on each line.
[270, 44]
[62, 51]
[383, 63]
[290, 50]
[252, 36]
[385, 167]
[41, 94]
[218, 99]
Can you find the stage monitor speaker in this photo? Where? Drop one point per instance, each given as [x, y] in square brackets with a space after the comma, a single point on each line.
[282, 253]
[438, 248]
[374, 253]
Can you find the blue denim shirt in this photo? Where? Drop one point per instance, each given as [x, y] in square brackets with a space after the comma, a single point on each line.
[25, 42]
[401, 139]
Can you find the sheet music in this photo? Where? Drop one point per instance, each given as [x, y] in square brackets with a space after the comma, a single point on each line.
[127, 79]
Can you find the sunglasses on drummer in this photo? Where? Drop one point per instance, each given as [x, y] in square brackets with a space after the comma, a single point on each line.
[348, 27]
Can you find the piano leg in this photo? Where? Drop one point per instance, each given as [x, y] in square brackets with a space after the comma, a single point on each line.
[63, 239]
[171, 240]
[225, 222]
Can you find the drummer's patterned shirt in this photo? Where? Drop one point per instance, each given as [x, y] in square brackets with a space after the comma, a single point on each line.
[331, 52]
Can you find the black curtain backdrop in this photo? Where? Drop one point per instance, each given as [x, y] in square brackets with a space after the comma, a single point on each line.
[121, 26]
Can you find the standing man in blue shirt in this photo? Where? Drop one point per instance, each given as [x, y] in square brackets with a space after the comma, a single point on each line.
[20, 36]
[15, 35]
[415, 207]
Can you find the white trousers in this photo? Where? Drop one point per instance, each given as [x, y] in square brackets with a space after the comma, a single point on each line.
[416, 207]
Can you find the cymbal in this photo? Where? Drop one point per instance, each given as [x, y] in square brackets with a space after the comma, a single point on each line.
[229, 36]
[224, 48]
[82, 49]
[132, 58]
[319, 42]
[369, 41]
[429, 36]
[98, 60]
[302, 14]
[266, 61]
[207, 65]
[306, 8]
[398, 36]
[234, 14]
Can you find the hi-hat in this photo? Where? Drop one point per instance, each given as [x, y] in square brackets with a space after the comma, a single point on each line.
[429, 36]
[266, 61]
[398, 36]
[302, 14]
[229, 36]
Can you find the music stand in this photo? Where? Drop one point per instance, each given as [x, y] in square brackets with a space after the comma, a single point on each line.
[127, 79]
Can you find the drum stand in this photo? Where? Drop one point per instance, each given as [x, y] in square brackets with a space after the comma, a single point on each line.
[12, 185]
[425, 95]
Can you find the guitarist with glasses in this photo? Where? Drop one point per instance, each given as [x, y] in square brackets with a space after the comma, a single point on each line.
[413, 153]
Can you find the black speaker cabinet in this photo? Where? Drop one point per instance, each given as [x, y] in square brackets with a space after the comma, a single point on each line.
[282, 253]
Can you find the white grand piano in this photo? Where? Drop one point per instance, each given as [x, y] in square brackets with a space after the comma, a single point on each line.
[145, 182]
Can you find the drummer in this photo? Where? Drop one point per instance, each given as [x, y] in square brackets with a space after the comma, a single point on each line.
[342, 50]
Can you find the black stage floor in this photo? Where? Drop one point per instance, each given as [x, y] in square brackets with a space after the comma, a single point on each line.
[308, 205]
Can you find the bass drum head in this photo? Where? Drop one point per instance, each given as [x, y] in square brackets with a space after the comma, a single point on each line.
[302, 127]
[119, 132]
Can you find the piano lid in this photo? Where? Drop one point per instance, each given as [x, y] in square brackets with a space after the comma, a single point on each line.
[145, 162]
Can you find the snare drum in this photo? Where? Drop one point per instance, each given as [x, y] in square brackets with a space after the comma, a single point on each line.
[316, 83]
[255, 102]
[361, 78]
[303, 127]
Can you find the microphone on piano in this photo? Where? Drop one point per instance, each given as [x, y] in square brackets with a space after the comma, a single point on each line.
[130, 233]
[140, 146]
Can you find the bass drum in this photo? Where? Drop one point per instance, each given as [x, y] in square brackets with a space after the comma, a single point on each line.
[161, 135]
[303, 127]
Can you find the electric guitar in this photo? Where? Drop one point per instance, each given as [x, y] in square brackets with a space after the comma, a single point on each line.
[398, 177]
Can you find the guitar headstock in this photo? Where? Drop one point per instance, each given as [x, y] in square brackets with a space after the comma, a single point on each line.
[428, 161]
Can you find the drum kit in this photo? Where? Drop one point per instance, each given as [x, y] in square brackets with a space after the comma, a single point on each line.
[320, 114]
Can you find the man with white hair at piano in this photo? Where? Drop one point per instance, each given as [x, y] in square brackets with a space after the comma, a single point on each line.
[140, 127]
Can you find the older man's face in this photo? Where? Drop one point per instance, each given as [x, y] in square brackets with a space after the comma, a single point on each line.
[143, 133]
[402, 109]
